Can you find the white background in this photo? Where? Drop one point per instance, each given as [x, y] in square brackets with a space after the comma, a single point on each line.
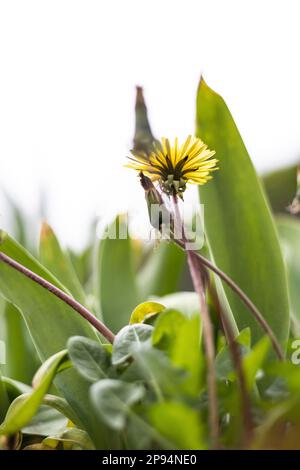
[68, 71]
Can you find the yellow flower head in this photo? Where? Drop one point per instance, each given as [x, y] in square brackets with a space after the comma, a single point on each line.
[175, 166]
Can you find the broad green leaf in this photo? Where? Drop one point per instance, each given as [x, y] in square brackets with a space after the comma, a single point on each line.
[179, 423]
[155, 369]
[144, 311]
[161, 271]
[238, 222]
[166, 328]
[112, 400]
[61, 405]
[25, 406]
[69, 439]
[89, 358]
[15, 388]
[186, 353]
[289, 234]
[117, 289]
[59, 263]
[128, 340]
[46, 421]
[50, 322]
[281, 186]
[181, 337]
[21, 357]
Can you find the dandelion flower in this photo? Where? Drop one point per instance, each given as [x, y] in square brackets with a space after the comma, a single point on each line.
[174, 167]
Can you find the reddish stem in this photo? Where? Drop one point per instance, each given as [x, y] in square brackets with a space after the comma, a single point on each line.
[84, 312]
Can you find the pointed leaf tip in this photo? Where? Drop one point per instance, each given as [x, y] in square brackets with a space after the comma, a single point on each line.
[139, 96]
[46, 230]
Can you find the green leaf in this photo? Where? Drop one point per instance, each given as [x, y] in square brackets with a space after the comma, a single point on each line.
[179, 423]
[89, 358]
[51, 322]
[281, 186]
[25, 406]
[59, 263]
[128, 340]
[46, 421]
[161, 271]
[117, 289]
[61, 405]
[21, 357]
[112, 400]
[155, 369]
[289, 372]
[255, 360]
[289, 233]
[167, 327]
[181, 337]
[144, 311]
[224, 365]
[186, 353]
[15, 388]
[70, 439]
[239, 226]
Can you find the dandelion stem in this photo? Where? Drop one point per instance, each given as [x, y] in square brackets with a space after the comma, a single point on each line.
[237, 362]
[83, 311]
[253, 309]
[207, 327]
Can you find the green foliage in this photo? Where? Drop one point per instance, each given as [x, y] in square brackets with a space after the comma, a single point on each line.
[128, 340]
[170, 418]
[145, 311]
[148, 390]
[116, 283]
[21, 357]
[160, 275]
[59, 263]
[280, 186]
[113, 399]
[238, 223]
[50, 321]
[89, 357]
[289, 233]
[24, 407]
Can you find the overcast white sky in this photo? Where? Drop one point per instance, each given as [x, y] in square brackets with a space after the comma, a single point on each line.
[68, 71]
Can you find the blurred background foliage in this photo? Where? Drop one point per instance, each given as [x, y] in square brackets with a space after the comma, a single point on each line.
[249, 234]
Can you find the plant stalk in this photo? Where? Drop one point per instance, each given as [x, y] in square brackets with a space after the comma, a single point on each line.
[83, 311]
[207, 328]
[238, 365]
[249, 304]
